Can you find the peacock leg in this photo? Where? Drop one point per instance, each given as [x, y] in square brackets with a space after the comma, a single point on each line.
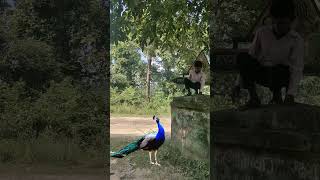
[155, 156]
[150, 158]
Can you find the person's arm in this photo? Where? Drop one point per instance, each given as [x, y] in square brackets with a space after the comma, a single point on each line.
[255, 47]
[202, 82]
[239, 81]
[190, 73]
[296, 67]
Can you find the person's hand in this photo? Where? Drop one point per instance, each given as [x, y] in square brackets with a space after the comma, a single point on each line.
[289, 99]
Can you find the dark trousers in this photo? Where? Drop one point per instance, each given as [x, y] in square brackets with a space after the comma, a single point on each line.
[251, 71]
[189, 84]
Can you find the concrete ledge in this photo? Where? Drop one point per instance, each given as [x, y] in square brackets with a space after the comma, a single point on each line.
[299, 117]
[293, 128]
[269, 143]
[197, 102]
[190, 125]
[280, 140]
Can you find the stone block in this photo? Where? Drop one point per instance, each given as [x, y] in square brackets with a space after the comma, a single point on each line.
[267, 143]
[190, 125]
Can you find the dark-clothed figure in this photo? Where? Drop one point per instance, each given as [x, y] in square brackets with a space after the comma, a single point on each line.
[275, 58]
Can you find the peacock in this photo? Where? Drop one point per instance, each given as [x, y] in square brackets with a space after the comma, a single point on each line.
[149, 142]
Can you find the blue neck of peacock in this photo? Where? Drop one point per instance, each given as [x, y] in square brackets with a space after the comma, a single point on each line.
[160, 135]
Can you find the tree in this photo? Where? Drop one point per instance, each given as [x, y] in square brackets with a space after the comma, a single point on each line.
[176, 26]
[52, 67]
[76, 30]
[232, 19]
[127, 66]
[31, 61]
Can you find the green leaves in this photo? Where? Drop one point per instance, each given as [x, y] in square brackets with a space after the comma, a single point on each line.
[30, 60]
[158, 27]
[42, 42]
[169, 25]
[127, 67]
[29, 54]
[234, 19]
[62, 111]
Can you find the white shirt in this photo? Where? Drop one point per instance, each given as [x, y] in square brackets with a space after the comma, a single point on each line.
[197, 77]
[288, 50]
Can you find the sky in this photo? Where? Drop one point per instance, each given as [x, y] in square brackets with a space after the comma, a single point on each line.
[10, 2]
[157, 62]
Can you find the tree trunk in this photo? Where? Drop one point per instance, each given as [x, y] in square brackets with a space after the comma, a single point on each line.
[149, 77]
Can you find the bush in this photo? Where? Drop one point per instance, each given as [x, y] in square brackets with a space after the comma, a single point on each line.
[132, 101]
[29, 60]
[72, 112]
[15, 107]
[46, 150]
[64, 110]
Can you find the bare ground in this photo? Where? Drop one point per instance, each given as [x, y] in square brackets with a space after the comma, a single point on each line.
[120, 169]
[136, 126]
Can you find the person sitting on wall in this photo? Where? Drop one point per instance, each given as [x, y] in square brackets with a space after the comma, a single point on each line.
[196, 79]
[275, 58]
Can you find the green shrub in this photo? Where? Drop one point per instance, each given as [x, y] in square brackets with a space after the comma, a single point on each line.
[64, 110]
[132, 101]
[46, 149]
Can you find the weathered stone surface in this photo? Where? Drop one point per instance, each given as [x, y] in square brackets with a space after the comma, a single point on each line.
[198, 103]
[258, 164]
[299, 117]
[190, 125]
[262, 139]
[268, 143]
[315, 142]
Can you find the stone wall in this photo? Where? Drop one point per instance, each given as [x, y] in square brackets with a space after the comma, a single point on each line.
[190, 125]
[269, 143]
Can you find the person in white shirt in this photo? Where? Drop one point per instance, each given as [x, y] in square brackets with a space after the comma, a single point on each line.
[196, 79]
[275, 58]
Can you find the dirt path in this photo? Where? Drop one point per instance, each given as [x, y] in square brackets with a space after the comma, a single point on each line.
[136, 126]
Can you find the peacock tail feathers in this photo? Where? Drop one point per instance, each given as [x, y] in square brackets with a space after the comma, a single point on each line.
[127, 149]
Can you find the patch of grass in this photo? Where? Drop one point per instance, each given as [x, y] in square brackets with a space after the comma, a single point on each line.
[172, 162]
[45, 150]
[140, 111]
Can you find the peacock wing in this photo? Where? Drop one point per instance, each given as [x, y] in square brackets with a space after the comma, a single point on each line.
[148, 139]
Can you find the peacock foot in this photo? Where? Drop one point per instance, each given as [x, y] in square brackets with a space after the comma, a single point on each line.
[152, 162]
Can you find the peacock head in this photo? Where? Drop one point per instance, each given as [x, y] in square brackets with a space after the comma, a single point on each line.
[156, 119]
